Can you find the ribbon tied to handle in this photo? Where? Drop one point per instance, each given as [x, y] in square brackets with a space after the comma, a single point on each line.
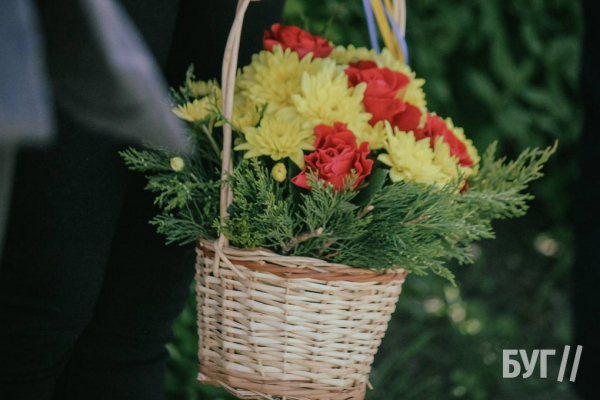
[391, 21]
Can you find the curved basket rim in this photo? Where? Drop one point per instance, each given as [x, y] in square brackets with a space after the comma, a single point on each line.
[292, 267]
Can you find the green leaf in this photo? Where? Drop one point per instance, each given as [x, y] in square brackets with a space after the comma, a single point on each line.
[366, 194]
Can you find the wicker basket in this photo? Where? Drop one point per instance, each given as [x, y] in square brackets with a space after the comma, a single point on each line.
[274, 326]
[294, 327]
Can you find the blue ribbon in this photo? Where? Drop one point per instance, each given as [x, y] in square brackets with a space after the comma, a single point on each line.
[399, 35]
[371, 25]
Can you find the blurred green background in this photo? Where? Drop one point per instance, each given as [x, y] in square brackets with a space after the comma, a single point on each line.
[504, 70]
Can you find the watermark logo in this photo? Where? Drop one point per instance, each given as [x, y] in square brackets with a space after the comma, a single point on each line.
[511, 368]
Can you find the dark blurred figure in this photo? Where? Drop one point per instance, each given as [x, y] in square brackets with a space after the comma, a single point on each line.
[88, 290]
[587, 261]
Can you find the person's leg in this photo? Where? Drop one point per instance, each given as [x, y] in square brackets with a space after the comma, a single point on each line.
[7, 158]
[64, 208]
[121, 354]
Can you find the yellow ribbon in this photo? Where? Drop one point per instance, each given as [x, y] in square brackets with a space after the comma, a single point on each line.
[389, 39]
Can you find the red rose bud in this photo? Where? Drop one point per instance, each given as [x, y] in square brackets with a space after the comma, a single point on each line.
[434, 127]
[335, 158]
[380, 98]
[466, 185]
[300, 41]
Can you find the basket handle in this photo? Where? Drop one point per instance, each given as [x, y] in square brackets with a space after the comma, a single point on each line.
[230, 60]
[400, 15]
[228, 72]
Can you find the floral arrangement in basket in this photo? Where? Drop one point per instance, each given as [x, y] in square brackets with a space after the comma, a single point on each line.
[336, 157]
[340, 182]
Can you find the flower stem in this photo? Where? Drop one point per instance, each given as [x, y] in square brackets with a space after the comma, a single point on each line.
[299, 239]
[418, 219]
[211, 139]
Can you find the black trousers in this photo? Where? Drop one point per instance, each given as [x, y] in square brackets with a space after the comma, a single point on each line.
[88, 290]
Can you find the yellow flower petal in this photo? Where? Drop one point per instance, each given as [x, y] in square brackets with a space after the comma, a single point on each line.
[298, 158]
[274, 76]
[346, 55]
[202, 88]
[198, 110]
[374, 135]
[277, 138]
[411, 160]
[325, 98]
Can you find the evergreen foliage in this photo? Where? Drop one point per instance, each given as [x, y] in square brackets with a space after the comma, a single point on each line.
[187, 197]
[404, 225]
[260, 216]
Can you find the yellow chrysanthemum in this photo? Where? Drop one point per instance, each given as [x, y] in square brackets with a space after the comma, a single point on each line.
[346, 55]
[410, 160]
[198, 110]
[273, 77]
[246, 113]
[374, 135]
[278, 138]
[202, 88]
[386, 59]
[325, 98]
[444, 159]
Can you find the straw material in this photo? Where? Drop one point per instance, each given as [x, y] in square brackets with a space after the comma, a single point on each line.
[273, 326]
[270, 326]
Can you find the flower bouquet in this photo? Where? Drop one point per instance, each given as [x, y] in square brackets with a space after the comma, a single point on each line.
[316, 181]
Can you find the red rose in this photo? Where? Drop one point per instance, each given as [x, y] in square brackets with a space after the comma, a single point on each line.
[296, 39]
[381, 82]
[335, 157]
[380, 98]
[434, 127]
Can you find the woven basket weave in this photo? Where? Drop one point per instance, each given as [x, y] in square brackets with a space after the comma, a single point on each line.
[274, 326]
[289, 326]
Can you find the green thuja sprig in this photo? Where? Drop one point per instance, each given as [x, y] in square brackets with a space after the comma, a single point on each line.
[409, 225]
[260, 215]
[498, 191]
